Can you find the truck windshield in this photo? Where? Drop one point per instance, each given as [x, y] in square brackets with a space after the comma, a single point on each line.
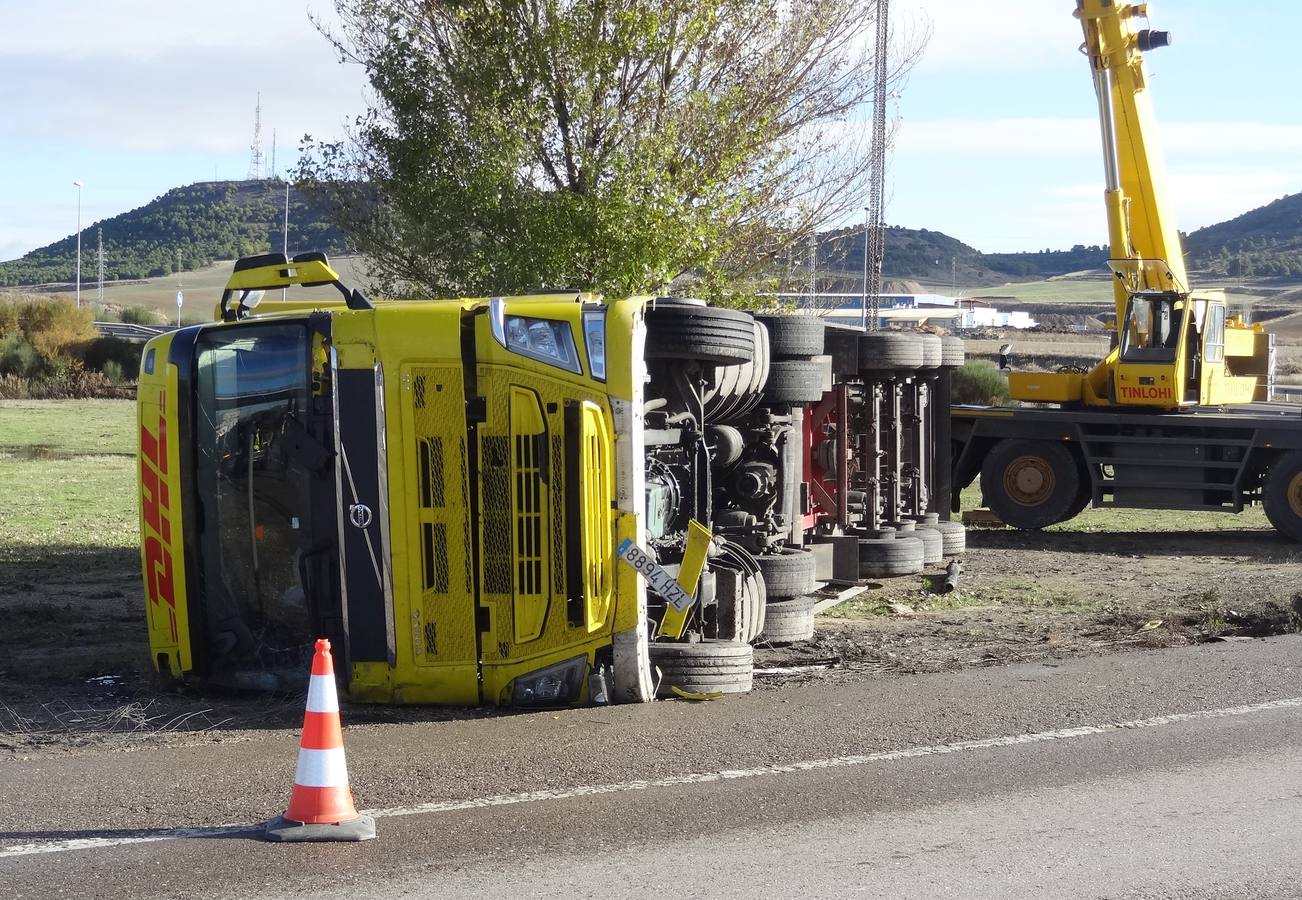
[1154, 323]
[252, 398]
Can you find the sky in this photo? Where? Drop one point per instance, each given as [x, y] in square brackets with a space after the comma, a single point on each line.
[997, 141]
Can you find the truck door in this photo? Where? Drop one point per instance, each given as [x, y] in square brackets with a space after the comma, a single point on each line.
[545, 486]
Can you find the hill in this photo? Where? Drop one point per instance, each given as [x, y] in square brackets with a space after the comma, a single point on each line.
[205, 221]
[1263, 241]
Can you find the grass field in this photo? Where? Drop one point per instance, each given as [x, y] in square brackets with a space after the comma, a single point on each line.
[203, 288]
[70, 594]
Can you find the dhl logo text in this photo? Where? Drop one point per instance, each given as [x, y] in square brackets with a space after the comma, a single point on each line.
[155, 501]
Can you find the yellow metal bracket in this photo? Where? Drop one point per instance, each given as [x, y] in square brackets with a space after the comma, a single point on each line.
[689, 576]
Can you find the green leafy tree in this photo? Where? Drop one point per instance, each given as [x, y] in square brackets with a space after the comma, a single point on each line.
[518, 144]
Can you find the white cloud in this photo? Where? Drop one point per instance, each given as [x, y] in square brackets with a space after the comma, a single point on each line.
[1016, 36]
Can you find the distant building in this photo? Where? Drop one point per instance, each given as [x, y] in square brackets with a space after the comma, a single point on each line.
[959, 313]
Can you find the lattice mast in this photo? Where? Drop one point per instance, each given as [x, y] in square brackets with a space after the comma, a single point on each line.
[256, 159]
[876, 228]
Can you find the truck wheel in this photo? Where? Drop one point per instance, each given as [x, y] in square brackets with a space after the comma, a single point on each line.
[952, 353]
[1030, 484]
[789, 621]
[794, 335]
[932, 351]
[786, 574]
[794, 381]
[682, 330]
[725, 666]
[887, 557]
[889, 351]
[953, 537]
[1281, 494]
[933, 543]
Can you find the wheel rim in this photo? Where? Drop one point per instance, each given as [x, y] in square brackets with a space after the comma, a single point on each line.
[1029, 480]
[1295, 494]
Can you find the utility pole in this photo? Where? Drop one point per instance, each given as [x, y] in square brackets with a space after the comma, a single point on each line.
[255, 149]
[813, 270]
[99, 239]
[78, 186]
[180, 297]
[284, 246]
[953, 276]
[273, 153]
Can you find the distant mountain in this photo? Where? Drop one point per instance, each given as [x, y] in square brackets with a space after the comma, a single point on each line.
[219, 220]
[935, 256]
[1265, 241]
[206, 221]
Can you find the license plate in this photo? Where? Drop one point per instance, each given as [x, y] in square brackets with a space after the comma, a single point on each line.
[656, 577]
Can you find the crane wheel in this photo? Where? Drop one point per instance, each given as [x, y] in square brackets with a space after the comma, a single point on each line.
[1030, 484]
[1281, 494]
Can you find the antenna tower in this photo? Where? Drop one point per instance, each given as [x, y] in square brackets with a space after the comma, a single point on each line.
[255, 150]
[99, 294]
[877, 176]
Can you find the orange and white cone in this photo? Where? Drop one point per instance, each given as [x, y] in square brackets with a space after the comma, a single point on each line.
[321, 805]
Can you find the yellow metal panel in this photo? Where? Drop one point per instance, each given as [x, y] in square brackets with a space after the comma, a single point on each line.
[281, 275]
[162, 551]
[596, 469]
[1048, 387]
[438, 600]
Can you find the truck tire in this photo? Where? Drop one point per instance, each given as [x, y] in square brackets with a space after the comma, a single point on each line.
[681, 330]
[789, 621]
[725, 666]
[786, 574]
[794, 335]
[794, 381]
[1030, 484]
[933, 543]
[953, 537]
[884, 558]
[889, 351]
[952, 353]
[1281, 494]
[932, 351]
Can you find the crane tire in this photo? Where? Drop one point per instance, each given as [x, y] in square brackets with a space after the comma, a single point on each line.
[1281, 495]
[1030, 484]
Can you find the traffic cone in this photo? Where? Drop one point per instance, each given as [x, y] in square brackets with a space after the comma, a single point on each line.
[321, 806]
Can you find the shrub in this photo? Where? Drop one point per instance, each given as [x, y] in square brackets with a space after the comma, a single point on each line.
[105, 350]
[17, 357]
[140, 315]
[113, 371]
[980, 382]
[56, 328]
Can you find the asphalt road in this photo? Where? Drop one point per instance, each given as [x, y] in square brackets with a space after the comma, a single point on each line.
[1000, 782]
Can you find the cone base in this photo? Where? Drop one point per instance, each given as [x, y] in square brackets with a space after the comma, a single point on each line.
[288, 831]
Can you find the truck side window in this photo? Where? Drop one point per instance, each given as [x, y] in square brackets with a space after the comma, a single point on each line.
[1215, 351]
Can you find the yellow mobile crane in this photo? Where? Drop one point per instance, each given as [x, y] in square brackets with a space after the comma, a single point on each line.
[1176, 416]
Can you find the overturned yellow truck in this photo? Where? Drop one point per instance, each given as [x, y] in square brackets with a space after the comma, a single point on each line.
[546, 499]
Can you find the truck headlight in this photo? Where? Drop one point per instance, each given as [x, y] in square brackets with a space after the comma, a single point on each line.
[555, 685]
[594, 338]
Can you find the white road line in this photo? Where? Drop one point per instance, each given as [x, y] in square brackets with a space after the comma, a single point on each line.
[835, 762]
